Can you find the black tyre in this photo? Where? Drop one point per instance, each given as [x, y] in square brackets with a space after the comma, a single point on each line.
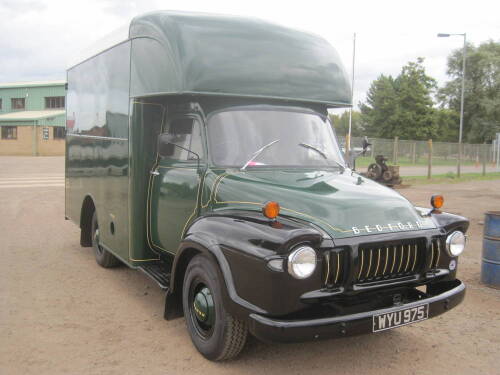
[387, 176]
[103, 257]
[215, 333]
[374, 171]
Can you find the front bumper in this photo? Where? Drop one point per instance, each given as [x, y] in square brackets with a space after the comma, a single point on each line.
[272, 330]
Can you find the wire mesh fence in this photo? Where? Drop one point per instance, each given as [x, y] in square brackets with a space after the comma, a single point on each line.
[420, 158]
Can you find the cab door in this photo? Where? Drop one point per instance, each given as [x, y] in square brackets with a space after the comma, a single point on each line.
[175, 183]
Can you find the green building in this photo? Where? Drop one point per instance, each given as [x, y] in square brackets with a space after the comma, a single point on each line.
[32, 118]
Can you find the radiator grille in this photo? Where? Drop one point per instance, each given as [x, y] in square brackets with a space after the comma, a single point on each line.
[334, 268]
[437, 246]
[386, 261]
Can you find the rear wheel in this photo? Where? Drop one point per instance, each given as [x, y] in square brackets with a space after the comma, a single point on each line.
[103, 257]
[216, 334]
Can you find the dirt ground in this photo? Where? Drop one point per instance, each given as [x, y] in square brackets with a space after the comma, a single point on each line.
[62, 314]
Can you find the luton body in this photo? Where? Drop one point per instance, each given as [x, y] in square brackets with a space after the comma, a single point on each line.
[199, 151]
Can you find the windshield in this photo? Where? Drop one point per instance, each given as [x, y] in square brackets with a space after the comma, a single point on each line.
[278, 137]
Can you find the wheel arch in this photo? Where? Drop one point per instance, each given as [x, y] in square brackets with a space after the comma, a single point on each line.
[193, 245]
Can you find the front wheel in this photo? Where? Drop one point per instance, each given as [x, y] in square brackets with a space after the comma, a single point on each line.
[216, 334]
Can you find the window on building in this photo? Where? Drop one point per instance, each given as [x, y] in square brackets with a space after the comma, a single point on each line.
[9, 132]
[54, 102]
[59, 132]
[17, 103]
[0, 104]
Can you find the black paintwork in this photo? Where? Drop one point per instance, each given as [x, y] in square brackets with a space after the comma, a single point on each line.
[329, 324]
[242, 242]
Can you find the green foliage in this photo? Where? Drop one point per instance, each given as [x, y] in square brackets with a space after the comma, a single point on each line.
[401, 106]
[482, 90]
[341, 124]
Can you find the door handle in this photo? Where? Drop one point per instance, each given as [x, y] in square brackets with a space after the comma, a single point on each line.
[154, 172]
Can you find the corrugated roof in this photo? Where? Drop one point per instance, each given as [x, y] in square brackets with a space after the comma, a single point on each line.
[30, 115]
[31, 84]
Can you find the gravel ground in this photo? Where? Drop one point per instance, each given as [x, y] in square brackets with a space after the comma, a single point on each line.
[62, 314]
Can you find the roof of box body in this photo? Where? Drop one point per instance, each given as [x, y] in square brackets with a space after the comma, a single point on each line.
[30, 115]
[8, 85]
[198, 53]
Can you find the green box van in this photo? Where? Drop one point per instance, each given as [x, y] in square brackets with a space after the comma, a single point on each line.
[199, 151]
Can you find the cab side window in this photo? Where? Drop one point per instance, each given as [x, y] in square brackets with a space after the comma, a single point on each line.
[186, 133]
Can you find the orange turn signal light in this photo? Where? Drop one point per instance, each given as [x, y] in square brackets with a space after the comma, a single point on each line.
[437, 201]
[271, 210]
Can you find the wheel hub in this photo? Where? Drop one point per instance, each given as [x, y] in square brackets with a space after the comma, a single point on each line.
[203, 306]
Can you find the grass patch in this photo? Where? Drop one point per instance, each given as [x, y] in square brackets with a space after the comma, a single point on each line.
[449, 177]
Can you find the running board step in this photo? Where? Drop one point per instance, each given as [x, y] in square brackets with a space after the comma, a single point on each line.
[159, 273]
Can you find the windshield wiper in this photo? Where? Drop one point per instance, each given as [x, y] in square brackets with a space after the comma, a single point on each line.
[257, 153]
[313, 148]
[342, 168]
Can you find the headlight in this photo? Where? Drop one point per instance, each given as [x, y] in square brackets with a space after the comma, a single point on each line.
[302, 262]
[455, 243]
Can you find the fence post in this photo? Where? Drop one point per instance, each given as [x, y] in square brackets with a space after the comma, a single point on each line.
[373, 148]
[413, 153]
[485, 156]
[395, 150]
[429, 167]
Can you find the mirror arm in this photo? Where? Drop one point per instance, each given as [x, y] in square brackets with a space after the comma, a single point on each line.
[186, 149]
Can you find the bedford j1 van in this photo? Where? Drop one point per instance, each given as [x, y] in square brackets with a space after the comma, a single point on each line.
[199, 151]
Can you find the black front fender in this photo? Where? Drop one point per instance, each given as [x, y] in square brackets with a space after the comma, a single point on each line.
[242, 243]
[450, 222]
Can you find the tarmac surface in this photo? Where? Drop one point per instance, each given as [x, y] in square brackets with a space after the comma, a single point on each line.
[60, 313]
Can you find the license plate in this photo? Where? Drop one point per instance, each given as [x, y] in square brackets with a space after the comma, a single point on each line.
[400, 318]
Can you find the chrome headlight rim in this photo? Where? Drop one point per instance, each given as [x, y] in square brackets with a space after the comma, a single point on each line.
[455, 243]
[294, 268]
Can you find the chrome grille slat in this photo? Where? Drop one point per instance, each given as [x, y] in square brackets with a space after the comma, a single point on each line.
[408, 258]
[432, 254]
[386, 259]
[393, 258]
[378, 264]
[338, 268]
[438, 241]
[369, 265]
[401, 258]
[334, 269]
[361, 266]
[327, 275]
[415, 258]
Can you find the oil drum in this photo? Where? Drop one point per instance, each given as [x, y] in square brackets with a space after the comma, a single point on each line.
[490, 266]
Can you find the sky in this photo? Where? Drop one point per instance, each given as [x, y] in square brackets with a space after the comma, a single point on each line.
[38, 38]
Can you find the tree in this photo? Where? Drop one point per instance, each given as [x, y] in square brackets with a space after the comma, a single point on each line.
[402, 106]
[378, 113]
[341, 124]
[482, 90]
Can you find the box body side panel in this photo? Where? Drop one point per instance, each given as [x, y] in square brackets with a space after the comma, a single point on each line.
[97, 152]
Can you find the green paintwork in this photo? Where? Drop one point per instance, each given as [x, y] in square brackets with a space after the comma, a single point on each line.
[204, 306]
[119, 101]
[334, 201]
[180, 52]
[174, 198]
[97, 145]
